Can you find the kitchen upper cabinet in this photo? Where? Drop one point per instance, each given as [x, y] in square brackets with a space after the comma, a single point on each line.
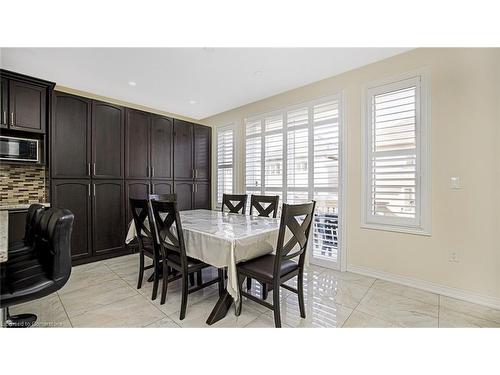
[107, 140]
[201, 196]
[108, 216]
[27, 106]
[183, 150]
[137, 150]
[75, 195]
[4, 103]
[184, 191]
[201, 157]
[161, 187]
[70, 136]
[161, 147]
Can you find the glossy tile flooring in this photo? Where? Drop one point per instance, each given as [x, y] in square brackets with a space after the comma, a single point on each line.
[104, 294]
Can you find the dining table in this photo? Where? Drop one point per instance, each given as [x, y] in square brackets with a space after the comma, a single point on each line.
[223, 240]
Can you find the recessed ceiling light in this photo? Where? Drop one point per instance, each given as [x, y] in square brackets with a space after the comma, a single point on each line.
[132, 83]
[209, 49]
[258, 73]
[192, 102]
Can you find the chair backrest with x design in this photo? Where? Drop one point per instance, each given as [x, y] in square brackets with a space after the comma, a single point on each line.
[163, 197]
[256, 202]
[299, 233]
[234, 208]
[139, 209]
[167, 228]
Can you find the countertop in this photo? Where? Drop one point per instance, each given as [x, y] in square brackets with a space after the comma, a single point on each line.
[22, 206]
[4, 233]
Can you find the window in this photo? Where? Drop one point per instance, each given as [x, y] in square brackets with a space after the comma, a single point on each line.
[397, 175]
[225, 161]
[294, 153]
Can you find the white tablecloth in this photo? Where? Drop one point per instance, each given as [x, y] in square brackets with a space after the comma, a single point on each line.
[223, 239]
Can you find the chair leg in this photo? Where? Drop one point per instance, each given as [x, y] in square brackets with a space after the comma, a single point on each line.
[165, 283]
[141, 270]
[237, 307]
[220, 273]
[249, 283]
[264, 291]
[156, 280]
[199, 278]
[300, 294]
[276, 304]
[184, 295]
[191, 279]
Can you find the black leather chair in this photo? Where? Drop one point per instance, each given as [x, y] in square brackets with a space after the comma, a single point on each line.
[43, 271]
[234, 203]
[275, 270]
[18, 249]
[163, 215]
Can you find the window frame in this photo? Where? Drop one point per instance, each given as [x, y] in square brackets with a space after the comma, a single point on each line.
[421, 225]
[219, 129]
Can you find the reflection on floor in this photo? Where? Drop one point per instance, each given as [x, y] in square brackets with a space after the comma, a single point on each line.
[103, 294]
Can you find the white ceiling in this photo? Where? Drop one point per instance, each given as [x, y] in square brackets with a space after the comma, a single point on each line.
[170, 79]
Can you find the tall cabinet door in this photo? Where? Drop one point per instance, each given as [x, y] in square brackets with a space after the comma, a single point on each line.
[184, 191]
[70, 136]
[4, 100]
[162, 187]
[183, 150]
[161, 147]
[107, 140]
[202, 155]
[137, 126]
[135, 189]
[108, 216]
[75, 196]
[201, 196]
[28, 106]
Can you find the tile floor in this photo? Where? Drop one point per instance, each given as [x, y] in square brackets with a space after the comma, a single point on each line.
[104, 294]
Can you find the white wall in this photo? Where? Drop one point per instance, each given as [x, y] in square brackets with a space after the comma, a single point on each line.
[465, 142]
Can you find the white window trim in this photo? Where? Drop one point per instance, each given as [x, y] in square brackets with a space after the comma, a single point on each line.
[217, 130]
[423, 156]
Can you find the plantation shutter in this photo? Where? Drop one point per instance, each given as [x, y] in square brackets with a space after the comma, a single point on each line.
[225, 162]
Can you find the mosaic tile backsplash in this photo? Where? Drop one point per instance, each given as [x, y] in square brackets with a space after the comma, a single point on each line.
[20, 184]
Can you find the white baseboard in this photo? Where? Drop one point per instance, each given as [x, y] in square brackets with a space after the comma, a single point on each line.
[444, 290]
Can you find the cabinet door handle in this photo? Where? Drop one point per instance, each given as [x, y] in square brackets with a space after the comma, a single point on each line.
[152, 171]
[94, 169]
[196, 173]
[88, 169]
[148, 169]
[192, 188]
[88, 189]
[12, 118]
[94, 189]
[193, 173]
[5, 117]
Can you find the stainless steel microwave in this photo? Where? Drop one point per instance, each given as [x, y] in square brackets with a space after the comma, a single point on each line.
[19, 149]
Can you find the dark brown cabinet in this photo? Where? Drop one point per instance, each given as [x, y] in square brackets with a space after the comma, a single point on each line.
[70, 136]
[161, 147]
[183, 145]
[24, 102]
[184, 191]
[201, 155]
[108, 216]
[4, 103]
[138, 190]
[161, 187]
[137, 150]
[107, 140]
[27, 106]
[201, 196]
[76, 196]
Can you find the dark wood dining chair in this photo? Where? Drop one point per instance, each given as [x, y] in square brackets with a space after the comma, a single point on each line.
[234, 203]
[275, 270]
[169, 238]
[258, 202]
[139, 209]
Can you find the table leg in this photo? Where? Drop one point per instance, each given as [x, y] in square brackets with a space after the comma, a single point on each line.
[221, 308]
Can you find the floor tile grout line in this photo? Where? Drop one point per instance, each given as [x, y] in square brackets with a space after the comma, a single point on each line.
[64, 308]
[361, 299]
